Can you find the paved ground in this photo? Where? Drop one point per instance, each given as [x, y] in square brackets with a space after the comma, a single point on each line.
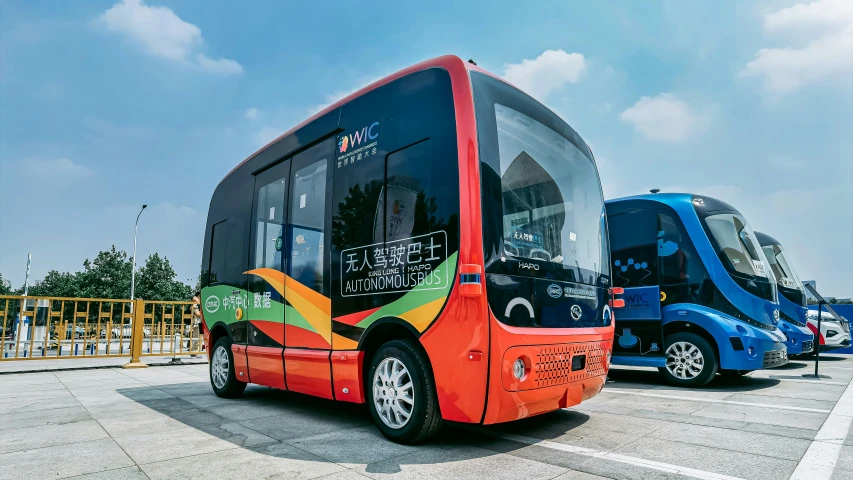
[164, 422]
[17, 366]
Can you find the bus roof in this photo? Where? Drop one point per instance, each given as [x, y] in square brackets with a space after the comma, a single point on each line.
[709, 204]
[441, 61]
[765, 240]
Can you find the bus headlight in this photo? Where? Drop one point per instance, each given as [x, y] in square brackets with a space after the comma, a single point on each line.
[518, 368]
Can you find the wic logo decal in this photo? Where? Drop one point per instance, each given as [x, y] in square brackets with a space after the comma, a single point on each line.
[346, 142]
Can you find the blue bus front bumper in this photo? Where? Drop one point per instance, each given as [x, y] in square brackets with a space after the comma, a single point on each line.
[800, 339]
[752, 348]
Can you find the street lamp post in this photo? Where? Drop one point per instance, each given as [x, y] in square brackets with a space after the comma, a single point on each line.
[133, 271]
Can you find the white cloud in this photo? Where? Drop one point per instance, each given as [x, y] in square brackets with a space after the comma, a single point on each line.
[56, 168]
[548, 72]
[163, 34]
[817, 15]
[252, 113]
[665, 118]
[826, 26]
[266, 134]
[222, 66]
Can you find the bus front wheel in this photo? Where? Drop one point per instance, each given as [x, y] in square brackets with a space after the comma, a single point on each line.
[222, 377]
[690, 360]
[401, 393]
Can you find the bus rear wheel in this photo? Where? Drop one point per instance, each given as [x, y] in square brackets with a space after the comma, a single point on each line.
[401, 393]
[222, 377]
[690, 360]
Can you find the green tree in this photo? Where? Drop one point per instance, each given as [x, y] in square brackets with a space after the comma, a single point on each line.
[4, 289]
[156, 280]
[107, 276]
[57, 284]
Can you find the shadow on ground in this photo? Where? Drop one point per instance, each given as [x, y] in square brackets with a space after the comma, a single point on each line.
[271, 422]
[641, 379]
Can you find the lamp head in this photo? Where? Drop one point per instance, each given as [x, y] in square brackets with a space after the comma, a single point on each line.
[144, 207]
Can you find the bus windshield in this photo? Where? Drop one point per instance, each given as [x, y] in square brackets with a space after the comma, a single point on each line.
[551, 202]
[543, 210]
[744, 259]
[786, 278]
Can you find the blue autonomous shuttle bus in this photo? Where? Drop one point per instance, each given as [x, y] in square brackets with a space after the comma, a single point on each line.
[792, 298]
[700, 297]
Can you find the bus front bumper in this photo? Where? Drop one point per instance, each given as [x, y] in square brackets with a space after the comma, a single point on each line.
[754, 349]
[800, 339]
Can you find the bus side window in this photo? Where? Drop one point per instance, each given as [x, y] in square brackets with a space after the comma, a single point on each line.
[633, 240]
[218, 252]
[681, 270]
[411, 200]
[308, 216]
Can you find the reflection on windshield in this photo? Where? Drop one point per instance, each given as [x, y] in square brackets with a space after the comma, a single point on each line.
[552, 205]
[786, 277]
[737, 242]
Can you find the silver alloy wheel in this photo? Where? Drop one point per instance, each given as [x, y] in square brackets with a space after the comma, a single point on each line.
[684, 360]
[219, 368]
[393, 393]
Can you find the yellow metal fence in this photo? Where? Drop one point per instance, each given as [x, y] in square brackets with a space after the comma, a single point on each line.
[41, 328]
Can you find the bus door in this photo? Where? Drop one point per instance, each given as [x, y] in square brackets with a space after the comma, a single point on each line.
[634, 253]
[268, 261]
[308, 320]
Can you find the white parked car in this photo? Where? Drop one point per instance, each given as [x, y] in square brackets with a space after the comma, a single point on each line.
[834, 332]
[125, 331]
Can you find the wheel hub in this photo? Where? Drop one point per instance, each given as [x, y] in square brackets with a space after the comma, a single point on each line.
[393, 393]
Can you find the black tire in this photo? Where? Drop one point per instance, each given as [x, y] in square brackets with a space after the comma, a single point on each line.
[710, 364]
[232, 388]
[734, 373]
[425, 419]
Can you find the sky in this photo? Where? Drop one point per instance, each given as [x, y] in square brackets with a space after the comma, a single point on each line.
[108, 105]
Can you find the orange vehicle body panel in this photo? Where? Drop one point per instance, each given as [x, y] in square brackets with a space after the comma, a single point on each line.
[347, 375]
[266, 366]
[241, 366]
[470, 351]
[308, 371]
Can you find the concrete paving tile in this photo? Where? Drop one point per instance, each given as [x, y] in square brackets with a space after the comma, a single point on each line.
[739, 440]
[680, 407]
[351, 447]
[786, 401]
[36, 418]
[15, 400]
[727, 462]
[791, 432]
[152, 421]
[345, 475]
[278, 461]
[163, 405]
[187, 389]
[39, 387]
[19, 379]
[236, 434]
[243, 411]
[18, 439]
[577, 475]
[291, 425]
[462, 462]
[39, 404]
[689, 419]
[184, 442]
[844, 467]
[142, 394]
[129, 473]
[568, 460]
[785, 418]
[63, 461]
